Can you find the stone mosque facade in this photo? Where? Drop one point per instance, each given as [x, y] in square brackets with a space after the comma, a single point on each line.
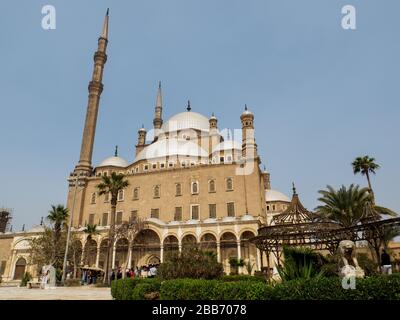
[191, 184]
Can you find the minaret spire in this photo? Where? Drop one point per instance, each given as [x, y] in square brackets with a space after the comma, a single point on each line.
[157, 121]
[95, 89]
[104, 34]
[116, 151]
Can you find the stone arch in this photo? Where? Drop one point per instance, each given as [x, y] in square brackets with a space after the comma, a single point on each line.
[121, 253]
[103, 252]
[146, 243]
[189, 240]
[228, 245]
[248, 250]
[20, 267]
[89, 253]
[208, 242]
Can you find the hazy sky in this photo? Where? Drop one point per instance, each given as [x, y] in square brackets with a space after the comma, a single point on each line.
[321, 95]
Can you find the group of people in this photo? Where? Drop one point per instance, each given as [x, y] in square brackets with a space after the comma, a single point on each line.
[149, 271]
[89, 277]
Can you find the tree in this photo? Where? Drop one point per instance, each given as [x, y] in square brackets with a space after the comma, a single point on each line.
[389, 234]
[91, 230]
[111, 185]
[58, 217]
[365, 165]
[348, 206]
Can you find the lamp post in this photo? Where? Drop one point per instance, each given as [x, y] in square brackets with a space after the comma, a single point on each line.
[77, 181]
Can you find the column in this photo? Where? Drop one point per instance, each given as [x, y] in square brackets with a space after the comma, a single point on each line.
[113, 257]
[180, 246]
[218, 251]
[258, 260]
[239, 254]
[98, 254]
[162, 254]
[129, 256]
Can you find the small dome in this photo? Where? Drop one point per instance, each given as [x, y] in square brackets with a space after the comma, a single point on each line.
[186, 120]
[114, 162]
[274, 195]
[171, 147]
[228, 145]
[247, 112]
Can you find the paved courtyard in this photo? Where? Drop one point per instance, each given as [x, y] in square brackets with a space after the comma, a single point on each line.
[59, 293]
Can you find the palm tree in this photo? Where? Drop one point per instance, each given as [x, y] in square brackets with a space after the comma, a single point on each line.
[58, 216]
[389, 234]
[348, 206]
[91, 230]
[111, 185]
[365, 165]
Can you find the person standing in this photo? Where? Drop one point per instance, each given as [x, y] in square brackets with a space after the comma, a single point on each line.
[386, 264]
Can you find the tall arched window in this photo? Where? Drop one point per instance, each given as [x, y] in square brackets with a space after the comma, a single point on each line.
[229, 184]
[195, 187]
[211, 186]
[121, 195]
[135, 193]
[157, 191]
[178, 189]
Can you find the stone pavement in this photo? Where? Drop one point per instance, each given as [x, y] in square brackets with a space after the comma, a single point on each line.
[59, 293]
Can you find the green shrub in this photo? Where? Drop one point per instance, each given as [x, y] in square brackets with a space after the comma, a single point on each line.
[369, 266]
[242, 278]
[147, 290]
[25, 279]
[190, 263]
[375, 288]
[188, 289]
[242, 290]
[122, 289]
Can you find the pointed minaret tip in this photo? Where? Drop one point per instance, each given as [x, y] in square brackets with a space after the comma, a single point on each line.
[294, 188]
[159, 84]
[104, 34]
[245, 107]
[188, 106]
[116, 151]
[159, 96]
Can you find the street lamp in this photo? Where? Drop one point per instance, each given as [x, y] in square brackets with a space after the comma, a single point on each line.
[77, 181]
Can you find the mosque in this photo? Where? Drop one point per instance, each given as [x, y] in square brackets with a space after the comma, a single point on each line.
[191, 185]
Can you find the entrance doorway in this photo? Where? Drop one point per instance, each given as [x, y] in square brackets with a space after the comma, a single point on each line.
[19, 269]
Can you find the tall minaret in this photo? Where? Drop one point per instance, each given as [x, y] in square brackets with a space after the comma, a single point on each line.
[95, 89]
[249, 146]
[157, 121]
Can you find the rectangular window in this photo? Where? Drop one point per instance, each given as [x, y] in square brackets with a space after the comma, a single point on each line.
[212, 208]
[135, 193]
[229, 184]
[155, 213]
[195, 212]
[107, 197]
[154, 166]
[118, 220]
[91, 219]
[178, 214]
[178, 189]
[231, 209]
[134, 215]
[146, 167]
[104, 220]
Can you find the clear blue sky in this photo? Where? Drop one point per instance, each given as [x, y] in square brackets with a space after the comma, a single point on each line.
[321, 95]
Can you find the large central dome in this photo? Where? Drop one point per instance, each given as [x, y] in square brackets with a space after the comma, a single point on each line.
[186, 120]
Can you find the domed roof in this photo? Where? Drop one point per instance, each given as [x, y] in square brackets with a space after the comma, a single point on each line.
[37, 228]
[274, 195]
[186, 120]
[228, 145]
[114, 161]
[171, 147]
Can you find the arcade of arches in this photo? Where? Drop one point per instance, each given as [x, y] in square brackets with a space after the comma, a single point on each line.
[147, 248]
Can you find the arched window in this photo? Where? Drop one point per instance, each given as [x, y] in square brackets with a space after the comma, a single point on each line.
[229, 184]
[178, 189]
[121, 195]
[93, 198]
[135, 193]
[195, 187]
[211, 186]
[157, 192]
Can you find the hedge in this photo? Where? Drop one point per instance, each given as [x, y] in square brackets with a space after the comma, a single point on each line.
[199, 289]
[123, 289]
[380, 287]
[243, 278]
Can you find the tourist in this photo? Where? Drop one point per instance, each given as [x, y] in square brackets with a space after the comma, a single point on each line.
[153, 271]
[119, 273]
[112, 275]
[386, 264]
[127, 273]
